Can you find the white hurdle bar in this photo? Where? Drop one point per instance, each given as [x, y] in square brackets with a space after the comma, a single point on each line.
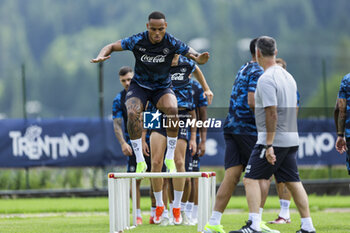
[119, 193]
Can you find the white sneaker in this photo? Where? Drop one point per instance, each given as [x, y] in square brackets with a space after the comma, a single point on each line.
[195, 221]
[185, 220]
[165, 221]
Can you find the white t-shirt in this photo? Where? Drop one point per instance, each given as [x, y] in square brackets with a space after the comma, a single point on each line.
[277, 87]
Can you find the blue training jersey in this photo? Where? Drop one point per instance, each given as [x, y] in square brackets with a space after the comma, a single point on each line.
[197, 92]
[344, 93]
[198, 99]
[153, 61]
[240, 118]
[180, 78]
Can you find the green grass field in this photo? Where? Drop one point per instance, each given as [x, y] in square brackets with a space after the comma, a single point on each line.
[70, 215]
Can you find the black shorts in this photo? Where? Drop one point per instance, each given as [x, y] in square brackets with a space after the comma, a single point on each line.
[285, 168]
[188, 160]
[145, 94]
[183, 132]
[192, 163]
[238, 149]
[195, 163]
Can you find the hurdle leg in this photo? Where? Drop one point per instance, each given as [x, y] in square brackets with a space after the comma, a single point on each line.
[126, 202]
[119, 209]
[213, 192]
[127, 207]
[112, 204]
[134, 207]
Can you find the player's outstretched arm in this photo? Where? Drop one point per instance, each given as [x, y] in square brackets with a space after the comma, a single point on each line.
[199, 58]
[106, 51]
[201, 79]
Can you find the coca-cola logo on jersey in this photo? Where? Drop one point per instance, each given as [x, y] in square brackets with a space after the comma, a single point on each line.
[177, 76]
[156, 59]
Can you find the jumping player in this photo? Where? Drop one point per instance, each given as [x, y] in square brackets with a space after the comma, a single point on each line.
[153, 50]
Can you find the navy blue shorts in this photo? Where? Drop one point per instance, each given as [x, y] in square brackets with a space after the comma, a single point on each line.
[183, 131]
[195, 165]
[238, 149]
[188, 160]
[285, 168]
[145, 94]
[192, 163]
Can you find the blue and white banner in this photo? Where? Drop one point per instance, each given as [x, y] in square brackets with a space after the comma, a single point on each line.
[58, 143]
[91, 142]
[316, 145]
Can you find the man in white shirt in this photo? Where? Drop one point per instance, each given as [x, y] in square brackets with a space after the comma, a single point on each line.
[277, 145]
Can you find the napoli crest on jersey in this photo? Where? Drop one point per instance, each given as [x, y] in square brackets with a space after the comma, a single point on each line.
[166, 51]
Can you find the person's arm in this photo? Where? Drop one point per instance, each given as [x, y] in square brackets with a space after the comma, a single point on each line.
[336, 114]
[200, 58]
[106, 51]
[201, 79]
[118, 131]
[253, 80]
[202, 131]
[271, 123]
[251, 100]
[340, 111]
[192, 142]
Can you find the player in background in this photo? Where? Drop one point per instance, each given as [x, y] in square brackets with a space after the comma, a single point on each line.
[179, 73]
[240, 135]
[342, 119]
[284, 194]
[153, 50]
[120, 115]
[192, 163]
[277, 145]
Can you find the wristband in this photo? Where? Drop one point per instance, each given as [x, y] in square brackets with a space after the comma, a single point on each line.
[268, 146]
[340, 134]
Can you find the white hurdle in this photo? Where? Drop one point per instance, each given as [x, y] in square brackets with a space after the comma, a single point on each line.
[119, 193]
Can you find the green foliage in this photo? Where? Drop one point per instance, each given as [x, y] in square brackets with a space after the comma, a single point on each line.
[58, 178]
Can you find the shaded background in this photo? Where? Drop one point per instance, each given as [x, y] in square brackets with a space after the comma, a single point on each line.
[56, 39]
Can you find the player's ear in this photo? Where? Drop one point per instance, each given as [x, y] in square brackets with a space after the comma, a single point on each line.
[166, 24]
[276, 52]
[147, 26]
[257, 53]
